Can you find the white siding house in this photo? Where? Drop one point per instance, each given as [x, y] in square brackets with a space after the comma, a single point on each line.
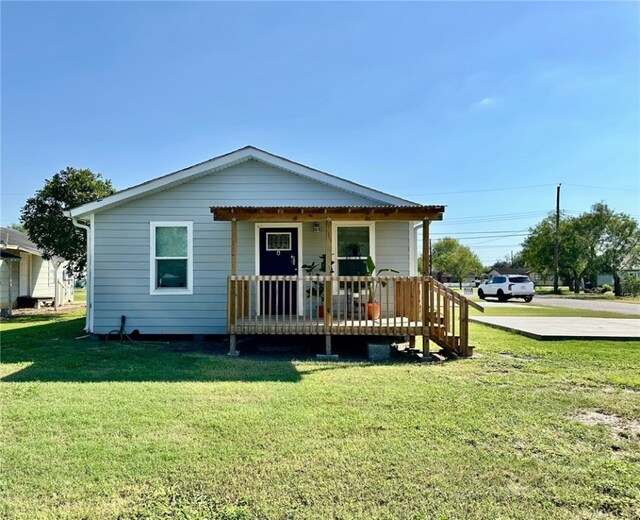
[121, 262]
[23, 272]
[164, 254]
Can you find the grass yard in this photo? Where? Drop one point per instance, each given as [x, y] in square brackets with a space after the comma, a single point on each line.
[151, 430]
[79, 295]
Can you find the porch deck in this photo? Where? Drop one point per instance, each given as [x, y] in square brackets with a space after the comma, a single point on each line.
[336, 305]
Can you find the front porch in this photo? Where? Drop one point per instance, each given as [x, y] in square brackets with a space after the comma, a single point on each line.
[408, 306]
[333, 304]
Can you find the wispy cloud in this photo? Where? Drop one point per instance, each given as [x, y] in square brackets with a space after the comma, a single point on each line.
[485, 103]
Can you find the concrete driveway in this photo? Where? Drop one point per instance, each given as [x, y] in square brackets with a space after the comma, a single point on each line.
[595, 305]
[556, 328]
[566, 328]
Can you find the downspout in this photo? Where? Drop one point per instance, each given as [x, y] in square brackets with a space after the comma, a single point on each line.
[88, 322]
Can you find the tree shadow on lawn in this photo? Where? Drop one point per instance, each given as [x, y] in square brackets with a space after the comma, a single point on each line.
[60, 352]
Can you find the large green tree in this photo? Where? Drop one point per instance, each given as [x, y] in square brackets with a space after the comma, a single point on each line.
[448, 254]
[618, 247]
[599, 240]
[574, 259]
[44, 214]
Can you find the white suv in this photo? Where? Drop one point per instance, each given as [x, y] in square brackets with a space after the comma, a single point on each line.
[505, 287]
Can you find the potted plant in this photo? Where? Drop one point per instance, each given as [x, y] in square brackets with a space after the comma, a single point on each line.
[373, 307]
[317, 288]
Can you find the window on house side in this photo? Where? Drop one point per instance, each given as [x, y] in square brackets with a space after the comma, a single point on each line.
[172, 257]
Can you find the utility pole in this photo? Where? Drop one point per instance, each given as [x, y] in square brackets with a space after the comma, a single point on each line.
[556, 244]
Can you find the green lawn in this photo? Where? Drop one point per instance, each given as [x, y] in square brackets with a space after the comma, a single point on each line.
[151, 430]
[79, 295]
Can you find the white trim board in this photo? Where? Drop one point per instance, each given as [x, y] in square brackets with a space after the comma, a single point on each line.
[225, 161]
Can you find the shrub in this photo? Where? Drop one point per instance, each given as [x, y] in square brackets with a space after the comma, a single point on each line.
[605, 288]
[630, 285]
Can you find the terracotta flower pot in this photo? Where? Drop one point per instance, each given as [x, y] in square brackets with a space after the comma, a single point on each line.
[373, 311]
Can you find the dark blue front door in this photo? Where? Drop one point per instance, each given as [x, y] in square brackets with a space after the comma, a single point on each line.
[279, 256]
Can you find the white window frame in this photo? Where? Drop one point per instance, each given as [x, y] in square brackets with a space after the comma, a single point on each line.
[372, 239]
[152, 258]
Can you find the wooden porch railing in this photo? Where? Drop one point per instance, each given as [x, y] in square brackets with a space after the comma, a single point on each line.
[337, 305]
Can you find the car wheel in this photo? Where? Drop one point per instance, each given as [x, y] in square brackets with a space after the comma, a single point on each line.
[481, 294]
[501, 296]
[528, 298]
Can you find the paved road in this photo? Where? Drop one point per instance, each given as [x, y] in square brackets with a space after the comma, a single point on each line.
[596, 305]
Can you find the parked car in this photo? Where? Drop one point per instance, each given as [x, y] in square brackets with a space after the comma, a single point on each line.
[505, 287]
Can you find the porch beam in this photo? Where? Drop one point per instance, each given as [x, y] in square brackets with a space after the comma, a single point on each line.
[234, 246]
[426, 292]
[328, 289]
[233, 288]
[310, 214]
[425, 248]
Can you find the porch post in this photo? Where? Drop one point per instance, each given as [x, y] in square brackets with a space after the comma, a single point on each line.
[233, 287]
[9, 264]
[426, 293]
[328, 288]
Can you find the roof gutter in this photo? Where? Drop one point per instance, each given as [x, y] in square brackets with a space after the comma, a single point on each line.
[88, 230]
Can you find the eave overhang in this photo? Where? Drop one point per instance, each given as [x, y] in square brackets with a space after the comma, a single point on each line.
[337, 213]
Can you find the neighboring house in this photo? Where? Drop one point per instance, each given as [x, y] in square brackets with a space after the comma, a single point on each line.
[607, 278]
[218, 248]
[509, 271]
[24, 273]
[536, 278]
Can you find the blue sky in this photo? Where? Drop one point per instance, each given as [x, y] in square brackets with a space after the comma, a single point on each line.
[483, 107]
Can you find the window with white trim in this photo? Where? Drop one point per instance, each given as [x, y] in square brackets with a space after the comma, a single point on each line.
[171, 258]
[354, 244]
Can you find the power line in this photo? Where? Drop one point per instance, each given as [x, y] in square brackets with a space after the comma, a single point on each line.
[601, 187]
[482, 191]
[494, 236]
[479, 232]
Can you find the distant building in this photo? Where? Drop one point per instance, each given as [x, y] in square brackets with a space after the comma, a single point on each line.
[26, 276]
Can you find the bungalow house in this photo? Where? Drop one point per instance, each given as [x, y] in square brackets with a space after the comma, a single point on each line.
[27, 278]
[234, 245]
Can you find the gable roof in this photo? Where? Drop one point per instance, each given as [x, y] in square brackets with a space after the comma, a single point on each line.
[17, 240]
[231, 159]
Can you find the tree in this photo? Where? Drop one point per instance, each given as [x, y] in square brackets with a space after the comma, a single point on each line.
[18, 227]
[44, 214]
[574, 260]
[449, 255]
[596, 241]
[619, 244]
[509, 261]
